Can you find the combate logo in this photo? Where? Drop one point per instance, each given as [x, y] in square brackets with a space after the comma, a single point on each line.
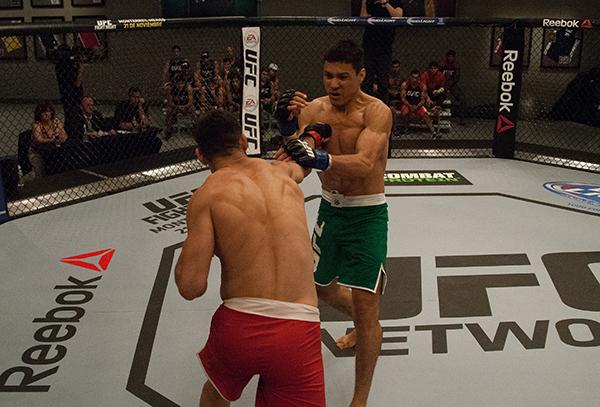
[424, 177]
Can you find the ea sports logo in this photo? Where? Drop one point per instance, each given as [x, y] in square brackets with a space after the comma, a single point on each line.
[250, 104]
[251, 40]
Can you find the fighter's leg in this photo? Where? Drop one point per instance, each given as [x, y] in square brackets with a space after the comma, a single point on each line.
[211, 398]
[340, 298]
[368, 342]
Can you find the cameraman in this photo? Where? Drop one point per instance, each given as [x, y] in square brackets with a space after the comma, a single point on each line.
[377, 44]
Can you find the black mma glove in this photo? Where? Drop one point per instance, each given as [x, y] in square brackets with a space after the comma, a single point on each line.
[286, 127]
[319, 132]
[307, 157]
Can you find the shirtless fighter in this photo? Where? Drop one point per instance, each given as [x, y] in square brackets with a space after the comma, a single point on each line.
[345, 135]
[250, 214]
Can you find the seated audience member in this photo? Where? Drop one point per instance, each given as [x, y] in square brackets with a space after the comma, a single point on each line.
[132, 114]
[176, 66]
[87, 123]
[181, 102]
[46, 129]
[267, 94]
[213, 95]
[395, 85]
[235, 60]
[274, 77]
[233, 93]
[413, 94]
[451, 70]
[435, 82]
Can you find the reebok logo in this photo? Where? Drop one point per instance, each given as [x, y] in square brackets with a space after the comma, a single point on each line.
[105, 256]
[560, 23]
[58, 325]
[508, 84]
[503, 124]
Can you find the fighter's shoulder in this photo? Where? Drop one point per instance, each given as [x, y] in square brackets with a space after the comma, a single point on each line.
[374, 105]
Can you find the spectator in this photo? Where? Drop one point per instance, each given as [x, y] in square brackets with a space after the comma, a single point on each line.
[88, 123]
[233, 92]
[235, 61]
[212, 95]
[176, 66]
[267, 97]
[180, 103]
[435, 81]
[451, 70]
[413, 8]
[132, 114]
[395, 85]
[377, 44]
[69, 70]
[46, 129]
[414, 98]
[274, 78]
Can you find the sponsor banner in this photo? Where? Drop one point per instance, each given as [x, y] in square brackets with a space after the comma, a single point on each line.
[565, 23]
[251, 90]
[167, 214]
[424, 177]
[54, 328]
[509, 89]
[3, 209]
[397, 21]
[582, 195]
[135, 23]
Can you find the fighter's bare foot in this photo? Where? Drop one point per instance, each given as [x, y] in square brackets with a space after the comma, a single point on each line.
[347, 341]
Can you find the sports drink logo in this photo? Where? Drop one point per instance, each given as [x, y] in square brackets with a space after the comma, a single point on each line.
[576, 190]
[560, 23]
[508, 84]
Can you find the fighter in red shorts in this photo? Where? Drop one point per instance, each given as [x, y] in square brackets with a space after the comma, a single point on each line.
[250, 213]
[414, 97]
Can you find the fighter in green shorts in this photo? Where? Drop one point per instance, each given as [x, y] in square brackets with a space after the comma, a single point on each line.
[350, 241]
[345, 134]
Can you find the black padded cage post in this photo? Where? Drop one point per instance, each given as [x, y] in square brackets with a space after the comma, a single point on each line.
[555, 114]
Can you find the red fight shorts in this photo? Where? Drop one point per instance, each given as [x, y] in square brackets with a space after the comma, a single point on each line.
[420, 112]
[286, 353]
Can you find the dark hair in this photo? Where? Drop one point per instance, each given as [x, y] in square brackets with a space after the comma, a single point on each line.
[414, 72]
[451, 52]
[133, 89]
[43, 107]
[348, 52]
[217, 133]
[175, 47]
[434, 64]
[395, 61]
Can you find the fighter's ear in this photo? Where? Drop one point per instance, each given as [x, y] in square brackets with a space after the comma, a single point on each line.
[361, 74]
[243, 142]
[200, 156]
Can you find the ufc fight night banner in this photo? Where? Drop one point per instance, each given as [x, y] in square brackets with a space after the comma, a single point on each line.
[250, 102]
[509, 89]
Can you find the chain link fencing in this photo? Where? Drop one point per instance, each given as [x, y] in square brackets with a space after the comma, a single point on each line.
[127, 99]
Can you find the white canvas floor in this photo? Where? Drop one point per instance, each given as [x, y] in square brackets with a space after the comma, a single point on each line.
[124, 337]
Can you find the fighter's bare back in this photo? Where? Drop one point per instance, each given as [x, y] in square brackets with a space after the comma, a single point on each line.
[257, 213]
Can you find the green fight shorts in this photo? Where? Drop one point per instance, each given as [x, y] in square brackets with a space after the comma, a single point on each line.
[350, 241]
